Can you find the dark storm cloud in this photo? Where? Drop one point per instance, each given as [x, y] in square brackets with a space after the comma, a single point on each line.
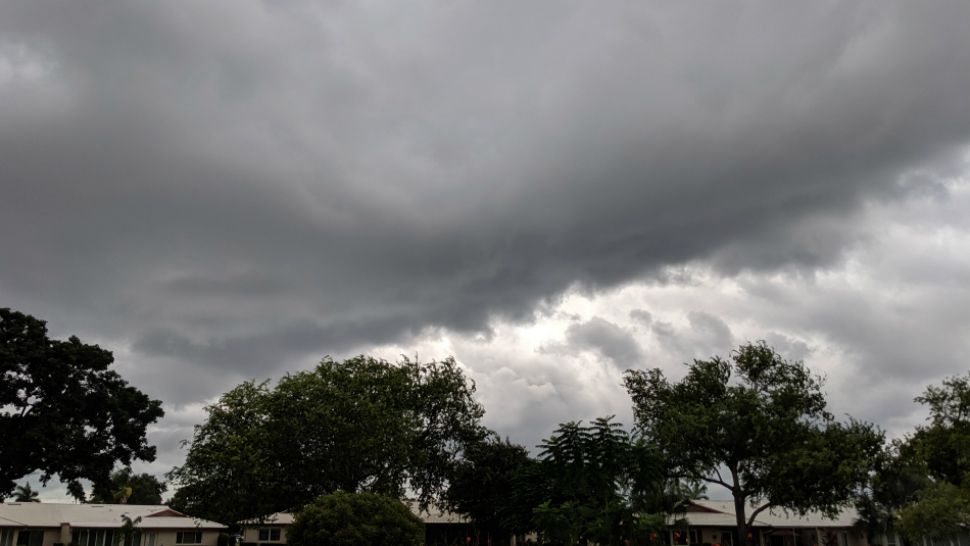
[239, 185]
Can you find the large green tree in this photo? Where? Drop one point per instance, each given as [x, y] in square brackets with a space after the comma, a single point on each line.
[62, 411]
[943, 447]
[895, 482]
[481, 488]
[355, 519]
[361, 425]
[756, 425]
[601, 486]
[126, 487]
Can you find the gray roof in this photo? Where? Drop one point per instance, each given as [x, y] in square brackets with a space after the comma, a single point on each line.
[432, 515]
[44, 514]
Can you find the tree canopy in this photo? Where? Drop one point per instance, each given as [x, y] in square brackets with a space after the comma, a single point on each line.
[601, 486]
[757, 425]
[942, 447]
[486, 486]
[355, 519]
[125, 487]
[62, 411]
[361, 425]
[25, 493]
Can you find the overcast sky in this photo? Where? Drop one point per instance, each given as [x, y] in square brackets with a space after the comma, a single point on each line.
[550, 191]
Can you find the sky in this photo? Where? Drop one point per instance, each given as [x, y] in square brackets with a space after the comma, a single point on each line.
[552, 192]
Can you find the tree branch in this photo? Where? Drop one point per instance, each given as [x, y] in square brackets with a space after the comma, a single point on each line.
[757, 511]
[717, 481]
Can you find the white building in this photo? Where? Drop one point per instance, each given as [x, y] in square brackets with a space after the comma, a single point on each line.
[49, 524]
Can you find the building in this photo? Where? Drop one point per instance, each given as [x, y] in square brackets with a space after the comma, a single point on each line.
[50, 524]
[440, 528]
[713, 522]
[271, 530]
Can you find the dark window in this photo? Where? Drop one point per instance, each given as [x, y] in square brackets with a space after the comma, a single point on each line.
[188, 537]
[30, 537]
[269, 535]
[695, 536]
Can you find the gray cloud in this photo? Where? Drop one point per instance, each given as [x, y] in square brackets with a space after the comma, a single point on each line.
[607, 338]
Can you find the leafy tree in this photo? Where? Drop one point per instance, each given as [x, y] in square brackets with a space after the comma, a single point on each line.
[896, 481]
[355, 519]
[25, 493]
[758, 426]
[362, 425]
[941, 509]
[944, 444]
[62, 411]
[483, 484]
[128, 488]
[601, 485]
[943, 448]
[128, 533]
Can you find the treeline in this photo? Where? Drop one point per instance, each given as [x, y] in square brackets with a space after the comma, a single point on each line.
[754, 424]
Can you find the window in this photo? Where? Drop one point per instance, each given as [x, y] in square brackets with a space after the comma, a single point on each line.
[93, 537]
[695, 536]
[150, 538]
[30, 537]
[188, 537]
[6, 537]
[269, 534]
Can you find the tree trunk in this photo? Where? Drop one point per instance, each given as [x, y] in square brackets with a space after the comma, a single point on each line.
[741, 513]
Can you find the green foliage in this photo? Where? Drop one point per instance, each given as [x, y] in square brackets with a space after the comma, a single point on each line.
[128, 531]
[896, 480]
[62, 411]
[355, 519]
[358, 425]
[941, 509]
[942, 447]
[25, 493]
[601, 486]
[128, 488]
[944, 444]
[756, 424]
[486, 487]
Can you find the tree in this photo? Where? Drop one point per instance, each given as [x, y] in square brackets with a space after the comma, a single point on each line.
[602, 486]
[943, 448]
[355, 519]
[897, 478]
[362, 425]
[485, 487]
[25, 493]
[125, 487]
[62, 411]
[128, 533]
[758, 426]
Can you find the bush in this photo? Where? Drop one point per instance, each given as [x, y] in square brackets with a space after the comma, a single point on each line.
[356, 519]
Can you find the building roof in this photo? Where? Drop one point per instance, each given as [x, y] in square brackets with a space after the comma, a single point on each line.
[435, 514]
[721, 514]
[432, 515]
[279, 518]
[44, 514]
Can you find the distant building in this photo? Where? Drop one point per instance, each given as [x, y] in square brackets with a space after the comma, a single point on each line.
[440, 528]
[50, 524]
[713, 522]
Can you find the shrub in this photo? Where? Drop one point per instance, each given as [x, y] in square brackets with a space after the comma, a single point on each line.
[356, 519]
